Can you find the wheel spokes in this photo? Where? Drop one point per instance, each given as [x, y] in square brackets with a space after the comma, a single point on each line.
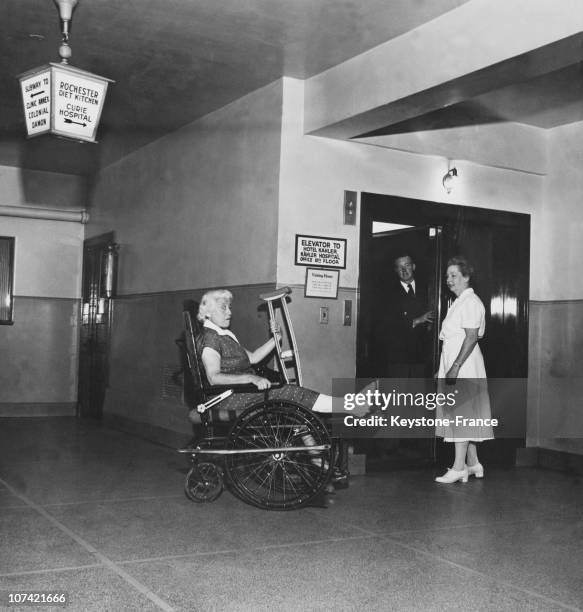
[281, 479]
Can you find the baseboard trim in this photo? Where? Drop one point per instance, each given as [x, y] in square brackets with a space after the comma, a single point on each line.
[25, 410]
[560, 461]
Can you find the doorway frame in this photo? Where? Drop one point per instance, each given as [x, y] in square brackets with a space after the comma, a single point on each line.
[88, 341]
[414, 212]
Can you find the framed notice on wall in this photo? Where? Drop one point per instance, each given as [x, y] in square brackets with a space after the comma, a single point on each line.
[322, 283]
[320, 251]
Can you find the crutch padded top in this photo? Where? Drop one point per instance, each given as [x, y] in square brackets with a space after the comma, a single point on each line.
[275, 295]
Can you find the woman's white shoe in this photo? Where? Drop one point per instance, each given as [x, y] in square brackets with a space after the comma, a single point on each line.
[453, 476]
[476, 470]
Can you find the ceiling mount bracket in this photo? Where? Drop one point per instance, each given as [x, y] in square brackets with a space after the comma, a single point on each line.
[66, 8]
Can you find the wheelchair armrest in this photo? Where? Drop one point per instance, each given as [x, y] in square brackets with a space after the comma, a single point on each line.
[245, 388]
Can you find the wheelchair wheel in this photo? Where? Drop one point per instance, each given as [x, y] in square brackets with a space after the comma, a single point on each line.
[278, 479]
[204, 483]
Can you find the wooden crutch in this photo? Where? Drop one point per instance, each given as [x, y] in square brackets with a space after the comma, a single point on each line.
[288, 360]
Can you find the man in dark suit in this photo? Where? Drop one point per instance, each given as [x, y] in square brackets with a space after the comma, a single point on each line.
[403, 350]
[408, 323]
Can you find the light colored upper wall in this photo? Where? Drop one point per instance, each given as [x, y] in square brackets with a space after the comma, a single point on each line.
[561, 244]
[21, 187]
[47, 258]
[39, 357]
[48, 253]
[313, 176]
[198, 208]
[555, 419]
[316, 171]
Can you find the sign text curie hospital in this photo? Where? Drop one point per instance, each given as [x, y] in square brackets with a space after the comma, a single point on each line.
[78, 103]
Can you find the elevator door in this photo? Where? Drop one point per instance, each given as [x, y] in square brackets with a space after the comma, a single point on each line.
[498, 244]
[377, 280]
[98, 288]
[377, 274]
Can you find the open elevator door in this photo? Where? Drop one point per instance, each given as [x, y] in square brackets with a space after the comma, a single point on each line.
[497, 242]
[381, 243]
[377, 275]
[100, 258]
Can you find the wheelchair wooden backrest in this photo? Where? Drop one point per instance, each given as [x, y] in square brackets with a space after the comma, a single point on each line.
[192, 329]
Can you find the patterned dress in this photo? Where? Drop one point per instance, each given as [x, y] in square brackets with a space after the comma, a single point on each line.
[234, 360]
[472, 399]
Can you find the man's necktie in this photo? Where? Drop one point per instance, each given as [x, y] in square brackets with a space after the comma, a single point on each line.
[410, 290]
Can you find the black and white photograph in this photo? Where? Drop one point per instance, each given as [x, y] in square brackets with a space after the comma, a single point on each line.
[291, 308]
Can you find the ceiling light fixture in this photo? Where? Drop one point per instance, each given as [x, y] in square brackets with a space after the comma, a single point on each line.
[450, 179]
[60, 99]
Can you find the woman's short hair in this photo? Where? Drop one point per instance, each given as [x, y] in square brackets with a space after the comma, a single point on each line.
[464, 266]
[210, 301]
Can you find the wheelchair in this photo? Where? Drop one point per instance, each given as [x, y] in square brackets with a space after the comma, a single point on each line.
[277, 454]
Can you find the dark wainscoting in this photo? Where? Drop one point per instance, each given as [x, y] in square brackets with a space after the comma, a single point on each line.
[145, 362]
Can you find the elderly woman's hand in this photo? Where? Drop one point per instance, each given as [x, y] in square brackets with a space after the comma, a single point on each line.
[260, 382]
[275, 329]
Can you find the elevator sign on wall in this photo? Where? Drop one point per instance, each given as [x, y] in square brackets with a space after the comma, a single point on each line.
[63, 100]
[320, 251]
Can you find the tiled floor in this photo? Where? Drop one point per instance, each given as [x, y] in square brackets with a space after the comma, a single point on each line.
[101, 515]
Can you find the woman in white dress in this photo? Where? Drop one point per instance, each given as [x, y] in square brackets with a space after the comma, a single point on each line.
[461, 358]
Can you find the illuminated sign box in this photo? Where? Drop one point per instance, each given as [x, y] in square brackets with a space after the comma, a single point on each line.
[62, 100]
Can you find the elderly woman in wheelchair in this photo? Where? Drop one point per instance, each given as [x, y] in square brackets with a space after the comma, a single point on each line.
[226, 362]
[278, 453]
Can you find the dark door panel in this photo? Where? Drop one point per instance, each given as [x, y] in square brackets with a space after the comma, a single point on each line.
[377, 276]
[98, 289]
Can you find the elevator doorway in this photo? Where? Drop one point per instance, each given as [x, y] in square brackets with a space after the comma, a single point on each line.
[98, 290]
[385, 340]
[498, 244]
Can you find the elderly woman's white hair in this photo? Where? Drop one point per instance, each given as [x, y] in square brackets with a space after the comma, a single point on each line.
[210, 302]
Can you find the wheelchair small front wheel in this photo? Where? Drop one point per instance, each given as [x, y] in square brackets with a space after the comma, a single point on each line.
[204, 483]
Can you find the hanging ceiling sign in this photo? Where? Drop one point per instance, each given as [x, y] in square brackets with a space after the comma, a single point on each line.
[63, 100]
